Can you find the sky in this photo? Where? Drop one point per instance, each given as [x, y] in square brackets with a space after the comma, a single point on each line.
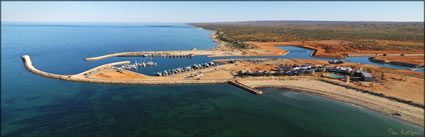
[203, 11]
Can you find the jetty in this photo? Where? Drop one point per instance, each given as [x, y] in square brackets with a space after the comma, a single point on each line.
[77, 77]
[245, 87]
[82, 77]
[169, 54]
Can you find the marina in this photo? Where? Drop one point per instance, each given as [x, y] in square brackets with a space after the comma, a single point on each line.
[219, 69]
[185, 69]
[210, 97]
[178, 56]
[282, 70]
[294, 52]
[138, 65]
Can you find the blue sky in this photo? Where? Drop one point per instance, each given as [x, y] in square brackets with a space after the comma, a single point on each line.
[182, 12]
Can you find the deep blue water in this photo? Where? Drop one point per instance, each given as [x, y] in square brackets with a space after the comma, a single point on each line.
[37, 106]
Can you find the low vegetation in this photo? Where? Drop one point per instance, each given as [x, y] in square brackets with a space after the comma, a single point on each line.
[232, 43]
[357, 32]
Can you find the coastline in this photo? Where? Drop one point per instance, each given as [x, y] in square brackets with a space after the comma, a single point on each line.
[413, 114]
[408, 61]
[213, 36]
[81, 78]
[142, 102]
[385, 106]
[336, 48]
[220, 44]
[319, 51]
[270, 49]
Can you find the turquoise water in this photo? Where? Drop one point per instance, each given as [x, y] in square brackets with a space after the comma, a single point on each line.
[297, 52]
[336, 76]
[303, 53]
[37, 106]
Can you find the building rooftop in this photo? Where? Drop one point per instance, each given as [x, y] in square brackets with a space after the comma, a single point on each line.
[365, 74]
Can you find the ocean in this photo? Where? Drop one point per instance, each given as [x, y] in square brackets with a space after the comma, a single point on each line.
[32, 105]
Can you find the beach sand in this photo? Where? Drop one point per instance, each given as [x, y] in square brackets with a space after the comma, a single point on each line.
[399, 84]
[386, 106]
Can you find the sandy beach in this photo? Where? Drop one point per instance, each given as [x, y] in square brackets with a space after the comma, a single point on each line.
[400, 84]
[386, 106]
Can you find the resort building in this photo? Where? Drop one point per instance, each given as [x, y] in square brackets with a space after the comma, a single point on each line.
[364, 76]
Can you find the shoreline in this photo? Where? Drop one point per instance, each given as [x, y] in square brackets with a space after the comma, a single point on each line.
[322, 53]
[81, 78]
[385, 106]
[319, 51]
[408, 61]
[413, 115]
[413, 122]
[263, 49]
[213, 36]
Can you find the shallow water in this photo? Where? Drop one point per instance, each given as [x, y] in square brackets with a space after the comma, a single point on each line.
[336, 76]
[303, 53]
[37, 106]
[297, 52]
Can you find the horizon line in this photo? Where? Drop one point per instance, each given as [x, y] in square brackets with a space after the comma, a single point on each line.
[242, 21]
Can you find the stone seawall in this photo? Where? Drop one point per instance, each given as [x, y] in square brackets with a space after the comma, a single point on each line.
[115, 55]
[78, 78]
[28, 65]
